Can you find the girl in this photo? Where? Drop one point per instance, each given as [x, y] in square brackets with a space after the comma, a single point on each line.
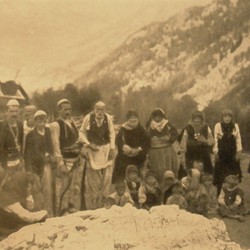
[196, 142]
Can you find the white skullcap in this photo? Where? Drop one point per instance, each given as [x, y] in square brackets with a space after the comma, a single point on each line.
[63, 101]
[40, 113]
[100, 104]
[13, 102]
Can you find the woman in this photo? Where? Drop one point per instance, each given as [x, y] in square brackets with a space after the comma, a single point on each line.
[196, 142]
[162, 135]
[227, 148]
[16, 201]
[132, 145]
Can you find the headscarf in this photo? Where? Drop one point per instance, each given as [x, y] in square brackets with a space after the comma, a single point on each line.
[14, 189]
[167, 175]
[129, 169]
[128, 125]
[197, 114]
[158, 126]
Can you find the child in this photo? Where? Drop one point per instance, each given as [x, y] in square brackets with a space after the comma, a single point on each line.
[207, 188]
[168, 181]
[199, 205]
[191, 184]
[150, 192]
[198, 164]
[109, 202]
[16, 201]
[231, 199]
[133, 183]
[177, 197]
[121, 196]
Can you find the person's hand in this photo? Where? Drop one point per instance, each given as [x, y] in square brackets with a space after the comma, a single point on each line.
[233, 206]
[93, 147]
[201, 139]
[111, 155]
[126, 149]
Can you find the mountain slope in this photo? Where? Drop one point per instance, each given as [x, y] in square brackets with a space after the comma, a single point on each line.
[195, 58]
[54, 42]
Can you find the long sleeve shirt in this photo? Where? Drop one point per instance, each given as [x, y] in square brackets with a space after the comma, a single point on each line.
[218, 134]
[86, 126]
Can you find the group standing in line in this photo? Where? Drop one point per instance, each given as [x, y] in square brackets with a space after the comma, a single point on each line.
[55, 169]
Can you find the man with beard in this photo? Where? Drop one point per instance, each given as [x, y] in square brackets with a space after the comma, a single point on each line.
[66, 149]
[11, 139]
[98, 135]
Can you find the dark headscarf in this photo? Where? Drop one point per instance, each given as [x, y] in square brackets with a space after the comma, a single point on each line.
[131, 113]
[156, 112]
[14, 189]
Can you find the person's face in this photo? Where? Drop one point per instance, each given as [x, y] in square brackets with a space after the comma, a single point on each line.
[133, 120]
[233, 181]
[132, 176]
[65, 110]
[121, 190]
[158, 118]
[151, 180]
[169, 181]
[227, 119]
[197, 121]
[99, 112]
[13, 112]
[198, 165]
[207, 183]
[40, 122]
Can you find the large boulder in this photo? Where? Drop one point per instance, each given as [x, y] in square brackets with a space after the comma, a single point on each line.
[162, 228]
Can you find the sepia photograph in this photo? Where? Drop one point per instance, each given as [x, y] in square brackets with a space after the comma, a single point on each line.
[124, 124]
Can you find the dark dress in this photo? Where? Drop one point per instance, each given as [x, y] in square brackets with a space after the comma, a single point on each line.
[134, 138]
[227, 149]
[197, 150]
[152, 198]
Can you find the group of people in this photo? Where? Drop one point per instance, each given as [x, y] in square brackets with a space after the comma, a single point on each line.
[56, 169]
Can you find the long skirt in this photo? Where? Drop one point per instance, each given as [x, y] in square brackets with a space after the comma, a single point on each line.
[97, 186]
[162, 159]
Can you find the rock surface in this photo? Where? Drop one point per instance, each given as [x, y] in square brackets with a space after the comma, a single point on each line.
[163, 228]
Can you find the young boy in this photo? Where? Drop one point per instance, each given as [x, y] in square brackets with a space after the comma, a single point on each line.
[231, 199]
[168, 181]
[133, 183]
[177, 197]
[121, 196]
[37, 155]
[150, 192]
[207, 188]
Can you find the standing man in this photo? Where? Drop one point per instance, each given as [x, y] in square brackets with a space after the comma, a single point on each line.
[66, 149]
[11, 139]
[38, 159]
[98, 135]
[28, 121]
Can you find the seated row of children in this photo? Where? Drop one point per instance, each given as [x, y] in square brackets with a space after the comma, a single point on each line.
[194, 193]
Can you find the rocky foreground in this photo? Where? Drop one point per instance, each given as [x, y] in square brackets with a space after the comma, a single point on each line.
[164, 227]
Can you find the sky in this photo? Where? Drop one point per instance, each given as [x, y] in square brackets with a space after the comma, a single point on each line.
[50, 43]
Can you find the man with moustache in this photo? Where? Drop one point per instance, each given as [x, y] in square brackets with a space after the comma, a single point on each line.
[98, 135]
[64, 135]
[11, 139]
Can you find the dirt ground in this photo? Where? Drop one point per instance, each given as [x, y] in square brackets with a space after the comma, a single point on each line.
[239, 231]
